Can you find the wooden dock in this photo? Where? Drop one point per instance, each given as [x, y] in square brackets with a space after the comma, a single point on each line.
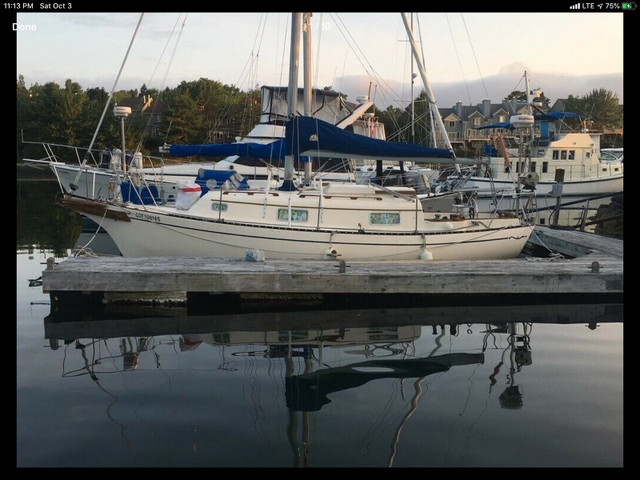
[596, 273]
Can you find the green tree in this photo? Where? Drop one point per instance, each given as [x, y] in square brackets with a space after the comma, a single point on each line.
[69, 105]
[183, 118]
[602, 107]
[521, 96]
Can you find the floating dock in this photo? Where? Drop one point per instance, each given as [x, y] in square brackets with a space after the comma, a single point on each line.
[595, 274]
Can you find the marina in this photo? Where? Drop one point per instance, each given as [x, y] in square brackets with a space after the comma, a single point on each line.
[317, 295]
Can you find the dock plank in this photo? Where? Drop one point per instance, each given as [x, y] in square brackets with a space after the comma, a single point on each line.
[167, 274]
[529, 275]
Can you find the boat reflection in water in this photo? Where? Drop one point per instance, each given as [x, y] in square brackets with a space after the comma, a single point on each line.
[342, 363]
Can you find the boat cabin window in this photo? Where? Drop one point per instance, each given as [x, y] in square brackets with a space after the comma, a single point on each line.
[219, 207]
[296, 215]
[545, 167]
[384, 218]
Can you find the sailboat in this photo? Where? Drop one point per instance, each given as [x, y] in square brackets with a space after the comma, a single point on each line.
[313, 220]
[99, 178]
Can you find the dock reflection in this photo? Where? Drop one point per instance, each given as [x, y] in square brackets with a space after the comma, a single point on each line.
[324, 355]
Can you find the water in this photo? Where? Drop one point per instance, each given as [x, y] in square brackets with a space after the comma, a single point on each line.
[499, 386]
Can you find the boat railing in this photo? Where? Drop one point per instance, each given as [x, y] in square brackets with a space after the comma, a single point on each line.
[600, 170]
[91, 161]
[74, 154]
[69, 155]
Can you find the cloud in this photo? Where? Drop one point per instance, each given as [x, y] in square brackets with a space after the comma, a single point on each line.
[494, 87]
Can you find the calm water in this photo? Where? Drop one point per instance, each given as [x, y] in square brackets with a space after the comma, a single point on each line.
[503, 386]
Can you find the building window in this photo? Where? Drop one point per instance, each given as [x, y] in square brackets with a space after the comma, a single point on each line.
[556, 154]
[384, 218]
[296, 215]
[572, 154]
[477, 121]
[563, 154]
[452, 123]
[533, 166]
[545, 167]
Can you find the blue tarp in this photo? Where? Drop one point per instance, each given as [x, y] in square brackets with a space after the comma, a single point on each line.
[308, 136]
[316, 138]
[559, 115]
[214, 179]
[274, 150]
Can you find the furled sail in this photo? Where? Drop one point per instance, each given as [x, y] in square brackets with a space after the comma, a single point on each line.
[315, 138]
[273, 150]
[310, 137]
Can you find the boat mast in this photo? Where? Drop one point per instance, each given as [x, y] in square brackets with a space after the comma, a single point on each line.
[307, 73]
[427, 85]
[292, 93]
[413, 110]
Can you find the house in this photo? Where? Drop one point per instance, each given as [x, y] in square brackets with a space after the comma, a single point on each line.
[610, 136]
[463, 122]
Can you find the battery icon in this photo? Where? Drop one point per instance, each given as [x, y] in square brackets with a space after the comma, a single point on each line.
[629, 6]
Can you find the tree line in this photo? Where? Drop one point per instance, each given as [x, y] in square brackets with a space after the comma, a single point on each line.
[207, 111]
[200, 111]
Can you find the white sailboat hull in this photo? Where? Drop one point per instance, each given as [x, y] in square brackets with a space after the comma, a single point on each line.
[151, 232]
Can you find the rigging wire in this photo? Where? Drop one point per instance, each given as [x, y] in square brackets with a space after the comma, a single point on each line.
[115, 83]
[466, 86]
[164, 80]
[361, 57]
[474, 56]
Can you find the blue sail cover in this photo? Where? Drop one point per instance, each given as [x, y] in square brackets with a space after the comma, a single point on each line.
[559, 115]
[273, 150]
[309, 137]
[315, 138]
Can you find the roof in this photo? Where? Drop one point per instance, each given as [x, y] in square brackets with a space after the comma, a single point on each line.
[466, 111]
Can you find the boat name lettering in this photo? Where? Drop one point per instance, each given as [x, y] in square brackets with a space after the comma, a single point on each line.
[148, 216]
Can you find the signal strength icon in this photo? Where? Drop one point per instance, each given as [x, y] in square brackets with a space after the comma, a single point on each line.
[575, 7]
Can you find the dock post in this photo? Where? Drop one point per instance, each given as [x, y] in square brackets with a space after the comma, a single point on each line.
[556, 191]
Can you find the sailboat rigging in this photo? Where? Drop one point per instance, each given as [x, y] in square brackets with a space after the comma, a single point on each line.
[312, 220]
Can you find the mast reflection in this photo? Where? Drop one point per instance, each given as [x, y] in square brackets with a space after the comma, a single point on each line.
[319, 362]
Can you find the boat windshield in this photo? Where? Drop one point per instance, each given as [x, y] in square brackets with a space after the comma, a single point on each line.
[611, 155]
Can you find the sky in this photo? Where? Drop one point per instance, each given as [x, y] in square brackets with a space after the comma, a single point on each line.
[356, 53]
